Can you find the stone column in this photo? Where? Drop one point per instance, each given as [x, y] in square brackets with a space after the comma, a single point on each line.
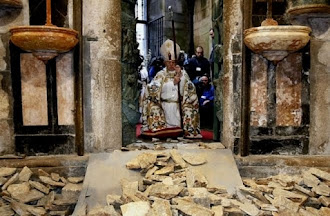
[102, 74]
[319, 87]
[232, 40]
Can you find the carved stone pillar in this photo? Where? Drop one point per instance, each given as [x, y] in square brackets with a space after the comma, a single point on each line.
[102, 75]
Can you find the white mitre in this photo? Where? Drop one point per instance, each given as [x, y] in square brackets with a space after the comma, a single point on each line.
[168, 47]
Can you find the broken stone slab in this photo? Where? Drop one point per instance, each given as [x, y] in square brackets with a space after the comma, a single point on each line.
[200, 196]
[62, 201]
[180, 180]
[324, 211]
[246, 207]
[160, 208]
[128, 187]
[12, 180]
[322, 189]
[23, 209]
[72, 191]
[281, 201]
[195, 178]
[310, 180]
[151, 171]
[168, 181]
[191, 209]
[165, 170]
[47, 200]
[285, 180]
[278, 185]
[194, 159]
[39, 186]
[314, 211]
[304, 190]
[59, 213]
[75, 180]
[30, 196]
[25, 174]
[17, 190]
[114, 200]
[3, 180]
[163, 156]
[233, 211]
[297, 198]
[142, 161]
[140, 208]
[104, 211]
[313, 202]
[216, 189]
[177, 158]
[303, 212]
[49, 181]
[55, 176]
[6, 210]
[212, 145]
[163, 191]
[254, 193]
[41, 172]
[157, 178]
[320, 173]
[218, 210]
[6, 171]
[325, 201]
[64, 180]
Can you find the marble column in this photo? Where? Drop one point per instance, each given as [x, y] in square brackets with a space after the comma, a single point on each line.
[102, 74]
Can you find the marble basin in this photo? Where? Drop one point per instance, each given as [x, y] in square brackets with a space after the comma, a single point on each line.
[45, 42]
[276, 42]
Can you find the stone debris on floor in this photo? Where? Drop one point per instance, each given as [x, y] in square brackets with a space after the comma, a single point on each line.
[169, 187]
[26, 193]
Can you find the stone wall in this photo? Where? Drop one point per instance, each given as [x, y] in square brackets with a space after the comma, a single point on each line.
[9, 17]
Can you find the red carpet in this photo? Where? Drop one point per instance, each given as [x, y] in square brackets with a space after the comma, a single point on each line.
[207, 134]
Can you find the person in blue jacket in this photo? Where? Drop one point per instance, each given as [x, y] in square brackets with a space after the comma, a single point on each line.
[206, 102]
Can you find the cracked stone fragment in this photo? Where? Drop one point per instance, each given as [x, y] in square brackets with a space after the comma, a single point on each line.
[140, 208]
[195, 179]
[47, 201]
[320, 173]
[23, 209]
[322, 189]
[165, 170]
[164, 191]
[310, 180]
[12, 180]
[114, 200]
[59, 213]
[41, 172]
[192, 209]
[48, 180]
[284, 202]
[3, 180]
[30, 196]
[218, 210]
[104, 211]
[6, 211]
[324, 211]
[312, 210]
[233, 211]
[142, 161]
[128, 187]
[39, 186]
[151, 171]
[194, 159]
[55, 176]
[6, 171]
[304, 190]
[200, 196]
[254, 193]
[25, 174]
[16, 190]
[168, 181]
[163, 156]
[303, 212]
[72, 191]
[76, 180]
[278, 185]
[175, 155]
[248, 208]
[160, 208]
[325, 201]
[216, 189]
[298, 198]
[285, 180]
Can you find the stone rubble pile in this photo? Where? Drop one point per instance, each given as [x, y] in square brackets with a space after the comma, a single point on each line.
[26, 193]
[169, 186]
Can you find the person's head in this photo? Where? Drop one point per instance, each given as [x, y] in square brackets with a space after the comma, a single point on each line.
[170, 64]
[211, 32]
[204, 80]
[199, 52]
